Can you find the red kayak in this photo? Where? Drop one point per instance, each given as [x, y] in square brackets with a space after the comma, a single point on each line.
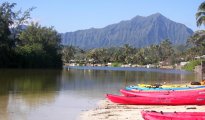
[166, 100]
[187, 93]
[152, 115]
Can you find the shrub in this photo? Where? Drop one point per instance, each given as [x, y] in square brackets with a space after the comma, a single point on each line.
[116, 64]
[191, 65]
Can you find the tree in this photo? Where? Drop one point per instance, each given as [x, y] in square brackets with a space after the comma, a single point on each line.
[165, 49]
[118, 55]
[103, 55]
[152, 54]
[40, 47]
[140, 57]
[200, 15]
[128, 53]
[197, 39]
[68, 53]
[93, 55]
[80, 55]
[9, 20]
[31, 47]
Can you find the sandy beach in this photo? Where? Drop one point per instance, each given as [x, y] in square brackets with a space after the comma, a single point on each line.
[107, 110]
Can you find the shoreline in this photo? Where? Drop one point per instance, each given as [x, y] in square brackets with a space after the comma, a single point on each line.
[125, 65]
[112, 111]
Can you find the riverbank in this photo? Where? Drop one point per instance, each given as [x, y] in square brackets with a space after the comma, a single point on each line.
[111, 111]
[178, 67]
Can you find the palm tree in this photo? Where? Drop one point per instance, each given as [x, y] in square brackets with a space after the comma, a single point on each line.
[200, 15]
[165, 49]
[197, 39]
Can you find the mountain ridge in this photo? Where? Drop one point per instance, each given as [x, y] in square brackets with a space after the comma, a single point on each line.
[139, 32]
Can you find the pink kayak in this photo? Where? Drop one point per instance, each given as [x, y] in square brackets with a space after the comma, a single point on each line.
[187, 93]
[166, 100]
[152, 115]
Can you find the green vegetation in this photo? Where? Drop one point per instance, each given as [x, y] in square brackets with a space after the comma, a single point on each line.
[122, 55]
[29, 46]
[196, 41]
[200, 15]
[116, 64]
[164, 52]
[191, 65]
[34, 46]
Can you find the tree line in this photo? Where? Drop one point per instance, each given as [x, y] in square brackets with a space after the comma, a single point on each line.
[164, 52]
[34, 46]
[153, 54]
[31, 46]
[125, 54]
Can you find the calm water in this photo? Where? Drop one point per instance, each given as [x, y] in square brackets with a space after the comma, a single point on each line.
[64, 94]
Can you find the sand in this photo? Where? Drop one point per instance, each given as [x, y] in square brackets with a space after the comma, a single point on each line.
[107, 110]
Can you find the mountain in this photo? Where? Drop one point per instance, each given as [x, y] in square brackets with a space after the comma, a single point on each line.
[138, 32]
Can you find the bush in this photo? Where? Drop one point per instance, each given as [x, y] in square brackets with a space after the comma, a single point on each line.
[191, 65]
[116, 64]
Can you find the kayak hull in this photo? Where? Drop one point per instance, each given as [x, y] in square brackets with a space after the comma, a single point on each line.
[188, 93]
[152, 115]
[161, 89]
[167, 86]
[156, 100]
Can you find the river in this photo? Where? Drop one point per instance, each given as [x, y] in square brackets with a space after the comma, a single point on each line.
[64, 94]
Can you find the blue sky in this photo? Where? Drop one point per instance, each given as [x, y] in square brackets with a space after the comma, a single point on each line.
[72, 15]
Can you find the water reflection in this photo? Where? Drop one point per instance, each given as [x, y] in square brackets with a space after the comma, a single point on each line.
[3, 108]
[24, 90]
[14, 81]
[54, 94]
[96, 83]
